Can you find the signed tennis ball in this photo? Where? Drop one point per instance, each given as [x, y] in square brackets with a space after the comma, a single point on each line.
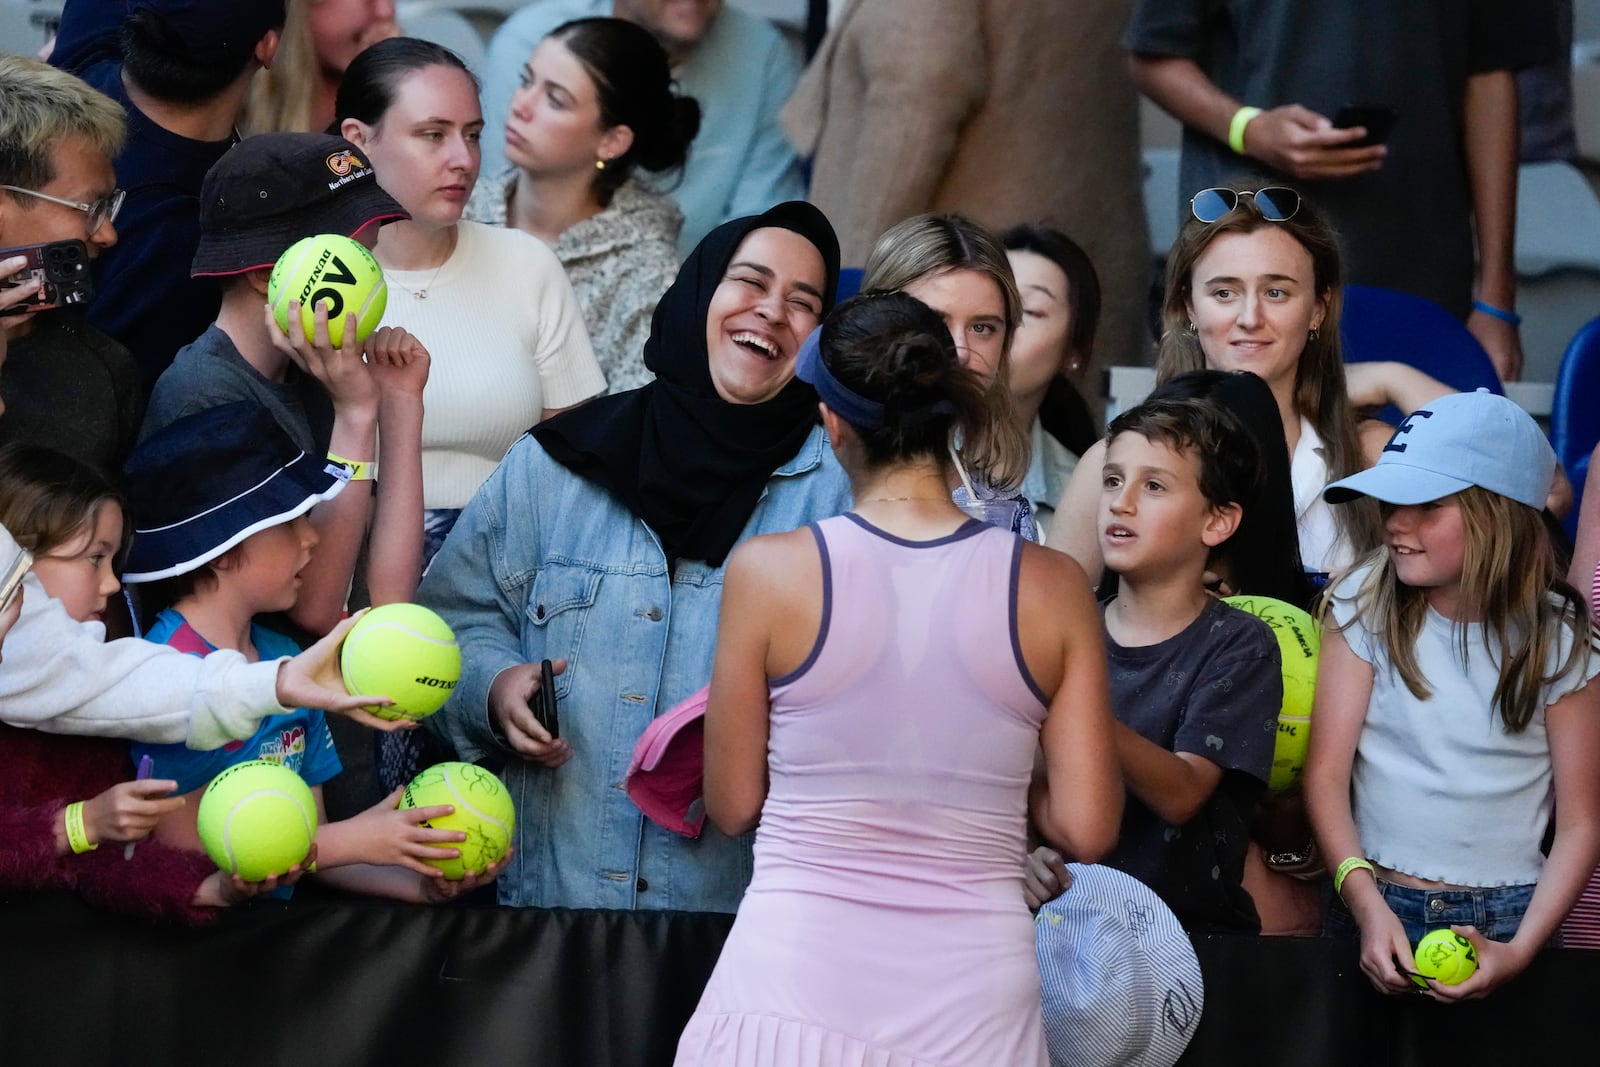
[331, 269]
[1299, 645]
[257, 818]
[406, 653]
[484, 812]
[1446, 957]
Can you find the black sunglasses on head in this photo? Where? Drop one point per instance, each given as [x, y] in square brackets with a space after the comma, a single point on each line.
[1275, 202]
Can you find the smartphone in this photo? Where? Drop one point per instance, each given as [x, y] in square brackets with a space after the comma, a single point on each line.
[1378, 120]
[11, 579]
[62, 267]
[544, 701]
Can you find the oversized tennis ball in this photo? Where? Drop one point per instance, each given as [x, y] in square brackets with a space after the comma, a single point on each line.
[484, 812]
[1299, 645]
[257, 818]
[406, 653]
[333, 269]
[1446, 957]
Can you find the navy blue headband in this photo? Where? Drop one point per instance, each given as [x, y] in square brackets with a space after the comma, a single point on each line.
[845, 402]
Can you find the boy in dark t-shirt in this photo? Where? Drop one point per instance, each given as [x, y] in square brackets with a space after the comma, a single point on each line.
[1195, 683]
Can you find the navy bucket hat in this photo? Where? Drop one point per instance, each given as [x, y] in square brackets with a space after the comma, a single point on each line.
[203, 484]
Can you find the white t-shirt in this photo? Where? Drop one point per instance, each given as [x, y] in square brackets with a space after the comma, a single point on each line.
[1323, 546]
[507, 341]
[1440, 790]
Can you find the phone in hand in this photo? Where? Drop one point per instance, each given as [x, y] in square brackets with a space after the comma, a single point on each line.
[544, 701]
[1377, 119]
[11, 578]
[63, 269]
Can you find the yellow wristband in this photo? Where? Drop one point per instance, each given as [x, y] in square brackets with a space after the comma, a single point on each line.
[1354, 863]
[77, 837]
[1241, 119]
[360, 470]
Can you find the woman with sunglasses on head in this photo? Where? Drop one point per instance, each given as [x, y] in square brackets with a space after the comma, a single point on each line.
[1255, 283]
[600, 543]
[961, 271]
[597, 102]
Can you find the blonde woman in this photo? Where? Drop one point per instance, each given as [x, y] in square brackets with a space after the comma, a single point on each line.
[320, 38]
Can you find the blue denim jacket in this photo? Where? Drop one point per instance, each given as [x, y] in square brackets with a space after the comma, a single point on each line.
[545, 564]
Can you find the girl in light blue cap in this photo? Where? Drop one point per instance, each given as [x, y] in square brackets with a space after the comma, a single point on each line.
[1455, 705]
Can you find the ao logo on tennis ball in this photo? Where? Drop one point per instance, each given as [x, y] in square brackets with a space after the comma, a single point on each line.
[484, 812]
[1300, 646]
[406, 653]
[256, 819]
[334, 270]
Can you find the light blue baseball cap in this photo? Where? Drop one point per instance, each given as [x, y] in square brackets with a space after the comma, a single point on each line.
[1457, 441]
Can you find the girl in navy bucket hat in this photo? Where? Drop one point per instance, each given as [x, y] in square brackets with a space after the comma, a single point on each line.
[1456, 705]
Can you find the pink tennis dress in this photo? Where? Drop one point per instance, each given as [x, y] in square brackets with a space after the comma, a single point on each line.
[885, 923]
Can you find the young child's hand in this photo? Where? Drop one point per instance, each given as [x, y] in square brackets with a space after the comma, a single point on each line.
[223, 890]
[1498, 963]
[398, 362]
[313, 680]
[342, 371]
[128, 811]
[1044, 877]
[1386, 952]
[392, 836]
[441, 890]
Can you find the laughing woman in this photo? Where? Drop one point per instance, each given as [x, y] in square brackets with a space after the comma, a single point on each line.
[600, 542]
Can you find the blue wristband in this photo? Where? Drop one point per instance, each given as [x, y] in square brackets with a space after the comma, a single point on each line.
[1497, 313]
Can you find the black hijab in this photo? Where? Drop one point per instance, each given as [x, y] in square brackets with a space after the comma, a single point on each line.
[686, 461]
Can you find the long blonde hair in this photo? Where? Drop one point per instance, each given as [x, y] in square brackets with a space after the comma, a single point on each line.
[281, 95]
[1511, 582]
[997, 450]
[1320, 393]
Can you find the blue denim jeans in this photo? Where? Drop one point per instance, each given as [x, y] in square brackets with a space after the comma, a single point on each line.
[1496, 913]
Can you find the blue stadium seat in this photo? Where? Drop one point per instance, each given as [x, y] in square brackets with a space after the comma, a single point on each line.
[1575, 411]
[1384, 324]
[849, 282]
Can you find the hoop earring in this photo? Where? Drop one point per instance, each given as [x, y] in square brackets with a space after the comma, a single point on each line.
[1313, 336]
[1192, 327]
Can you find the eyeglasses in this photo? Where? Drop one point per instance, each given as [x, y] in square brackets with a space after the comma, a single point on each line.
[1276, 203]
[100, 212]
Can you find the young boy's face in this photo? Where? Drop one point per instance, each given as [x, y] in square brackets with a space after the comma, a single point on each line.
[270, 562]
[1153, 518]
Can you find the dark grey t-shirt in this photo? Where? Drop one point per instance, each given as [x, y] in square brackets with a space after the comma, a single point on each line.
[1408, 225]
[69, 387]
[1213, 690]
[211, 372]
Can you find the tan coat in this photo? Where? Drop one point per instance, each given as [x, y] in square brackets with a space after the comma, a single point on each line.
[1005, 111]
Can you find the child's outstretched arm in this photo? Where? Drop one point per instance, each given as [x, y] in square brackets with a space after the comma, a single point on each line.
[385, 835]
[1344, 687]
[1572, 725]
[341, 523]
[1077, 803]
[399, 364]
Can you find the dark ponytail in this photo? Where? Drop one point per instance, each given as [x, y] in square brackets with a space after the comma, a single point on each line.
[892, 349]
[633, 81]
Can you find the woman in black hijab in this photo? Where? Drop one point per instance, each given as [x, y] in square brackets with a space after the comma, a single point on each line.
[598, 544]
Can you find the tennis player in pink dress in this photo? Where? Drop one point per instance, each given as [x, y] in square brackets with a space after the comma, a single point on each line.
[884, 683]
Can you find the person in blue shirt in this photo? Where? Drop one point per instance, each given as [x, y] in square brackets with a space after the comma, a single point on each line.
[599, 544]
[219, 502]
[738, 66]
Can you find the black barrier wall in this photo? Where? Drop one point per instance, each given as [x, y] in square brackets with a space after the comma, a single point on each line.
[335, 981]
